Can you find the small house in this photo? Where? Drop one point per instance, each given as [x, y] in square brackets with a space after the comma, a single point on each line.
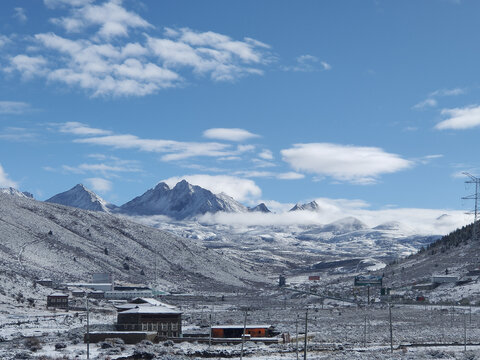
[57, 300]
[236, 331]
[167, 322]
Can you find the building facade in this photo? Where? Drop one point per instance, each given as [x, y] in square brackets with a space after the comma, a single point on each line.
[166, 322]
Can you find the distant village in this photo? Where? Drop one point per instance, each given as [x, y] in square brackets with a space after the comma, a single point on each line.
[143, 314]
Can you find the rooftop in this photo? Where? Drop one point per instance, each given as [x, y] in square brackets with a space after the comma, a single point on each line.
[151, 310]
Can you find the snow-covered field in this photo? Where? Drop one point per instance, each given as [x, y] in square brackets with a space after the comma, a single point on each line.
[335, 331]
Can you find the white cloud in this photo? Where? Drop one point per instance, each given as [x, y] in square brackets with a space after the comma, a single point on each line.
[99, 184]
[77, 128]
[20, 14]
[229, 134]
[308, 63]
[448, 92]
[103, 168]
[326, 66]
[113, 19]
[269, 174]
[460, 118]
[60, 3]
[238, 188]
[5, 181]
[425, 104]
[14, 107]
[290, 176]
[413, 220]
[176, 150]
[17, 134]
[28, 66]
[428, 158]
[223, 58]
[266, 155]
[108, 64]
[104, 68]
[355, 164]
[4, 40]
[431, 101]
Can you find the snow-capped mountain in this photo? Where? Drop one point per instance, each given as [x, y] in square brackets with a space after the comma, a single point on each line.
[182, 201]
[259, 208]
[311, 206]
[81, 197]
[15, 192]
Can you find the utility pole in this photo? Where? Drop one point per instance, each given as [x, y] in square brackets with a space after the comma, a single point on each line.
[306, 336]
[391, 326]
[243, 335]
[296, 335]
[88, 327]
[210, 335]
[365, 332]
[476, 181]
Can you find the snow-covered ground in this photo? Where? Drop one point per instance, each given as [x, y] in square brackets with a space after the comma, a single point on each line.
[335, 331]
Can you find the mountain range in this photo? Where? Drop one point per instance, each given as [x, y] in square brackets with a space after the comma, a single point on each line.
[185, 204]
[183, 201]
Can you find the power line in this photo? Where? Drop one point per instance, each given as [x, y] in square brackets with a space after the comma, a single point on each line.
[476, 181]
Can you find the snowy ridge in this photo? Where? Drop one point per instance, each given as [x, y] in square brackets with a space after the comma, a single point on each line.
[260, 208]
[81, 197]
[311, 206]
[182, 201]
[15, 192]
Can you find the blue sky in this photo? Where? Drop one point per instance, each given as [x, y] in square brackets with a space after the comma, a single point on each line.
[280, 101]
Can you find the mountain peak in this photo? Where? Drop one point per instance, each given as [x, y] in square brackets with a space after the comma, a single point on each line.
[260, 208]
[311, 206]
[15, 192]
[81, 197]
[182, 201]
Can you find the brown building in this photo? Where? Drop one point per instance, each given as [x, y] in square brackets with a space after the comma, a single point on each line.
[57, 300]
[236, 331]
[165, 321]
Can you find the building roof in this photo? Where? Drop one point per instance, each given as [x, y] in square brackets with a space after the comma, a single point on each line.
[150, 301]
[261, 326]
[151, 310]
[58, 294]
[144, 302]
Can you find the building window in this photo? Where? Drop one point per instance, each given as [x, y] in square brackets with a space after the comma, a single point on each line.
[174, 326]
[164, 326]
[144, 327]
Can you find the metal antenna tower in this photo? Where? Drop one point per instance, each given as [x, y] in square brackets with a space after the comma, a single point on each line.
[476, 181]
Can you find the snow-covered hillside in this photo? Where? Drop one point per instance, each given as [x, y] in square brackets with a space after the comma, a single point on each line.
[41, 239]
